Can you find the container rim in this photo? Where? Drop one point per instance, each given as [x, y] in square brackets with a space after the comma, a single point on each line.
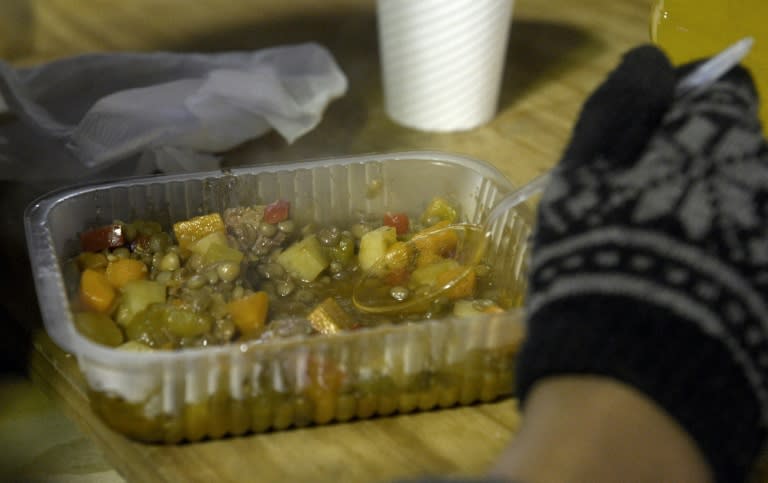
[40, 206]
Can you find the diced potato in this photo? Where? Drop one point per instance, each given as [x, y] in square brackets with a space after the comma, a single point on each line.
[125, 270]
[150, 327]
[135, 346]
[429, 274]
[374, 245]
[304, 259]
[249, 313]
[189, 231]
[96, 293]
[469, 308]
[465, 308]
[137, 295]
[202, 245]
[98, 328]
[439, 208]
[328, 317]
[186, 323]
[217, 253]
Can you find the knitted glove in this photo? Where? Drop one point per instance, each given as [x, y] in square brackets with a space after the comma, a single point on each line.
[650, 256]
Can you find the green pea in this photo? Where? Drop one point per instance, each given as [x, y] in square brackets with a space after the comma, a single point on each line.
[228, 271]
[344, 251]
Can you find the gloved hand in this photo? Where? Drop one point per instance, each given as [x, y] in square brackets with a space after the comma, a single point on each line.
[650, 256]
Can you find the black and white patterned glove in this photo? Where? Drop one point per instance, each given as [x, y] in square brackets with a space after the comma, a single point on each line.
[650, 258]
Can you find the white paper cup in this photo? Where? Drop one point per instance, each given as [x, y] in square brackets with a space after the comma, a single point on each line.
[442, 60]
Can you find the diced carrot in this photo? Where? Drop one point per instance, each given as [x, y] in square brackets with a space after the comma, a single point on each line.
[96, 293]
[428, 257]
[188, 231]
[249, 313]
[398, 276]
[399, 256]
[493, 309]
[436, 239]
[463, 287]
[325, 373]
[125, 270]
[326, 379]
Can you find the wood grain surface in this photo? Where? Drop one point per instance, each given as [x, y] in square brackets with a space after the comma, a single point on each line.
[559, 50]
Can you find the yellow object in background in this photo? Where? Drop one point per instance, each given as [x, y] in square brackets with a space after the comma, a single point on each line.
[692, 29]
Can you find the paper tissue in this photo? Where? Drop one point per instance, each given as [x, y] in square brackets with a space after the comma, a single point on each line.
[131, 113]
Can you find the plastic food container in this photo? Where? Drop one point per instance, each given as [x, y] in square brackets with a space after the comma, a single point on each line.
[251, 387]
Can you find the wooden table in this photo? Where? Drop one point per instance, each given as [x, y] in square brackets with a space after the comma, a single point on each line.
[558, 51]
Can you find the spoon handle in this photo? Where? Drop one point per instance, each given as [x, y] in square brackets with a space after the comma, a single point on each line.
[516, 197]
[711, 70]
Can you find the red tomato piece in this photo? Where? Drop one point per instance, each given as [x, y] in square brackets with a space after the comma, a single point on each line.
[96, 240]
[277, 211]
[399, 221]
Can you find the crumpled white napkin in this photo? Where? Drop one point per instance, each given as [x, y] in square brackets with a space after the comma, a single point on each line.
[162, 110]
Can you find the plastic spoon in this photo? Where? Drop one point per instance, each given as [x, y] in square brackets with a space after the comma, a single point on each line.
[377, 292]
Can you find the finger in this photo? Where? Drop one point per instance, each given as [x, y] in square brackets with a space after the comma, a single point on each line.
[618, 119]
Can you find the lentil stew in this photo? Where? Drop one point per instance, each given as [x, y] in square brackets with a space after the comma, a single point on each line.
[251, 273]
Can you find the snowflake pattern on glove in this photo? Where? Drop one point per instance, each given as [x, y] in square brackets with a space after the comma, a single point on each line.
[685, 227]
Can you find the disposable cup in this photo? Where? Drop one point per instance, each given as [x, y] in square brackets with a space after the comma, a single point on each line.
[442, 60]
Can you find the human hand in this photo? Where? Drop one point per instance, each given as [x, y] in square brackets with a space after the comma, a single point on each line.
[650, 258]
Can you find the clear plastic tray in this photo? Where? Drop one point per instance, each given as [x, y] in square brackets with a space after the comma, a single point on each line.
[212, 392]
